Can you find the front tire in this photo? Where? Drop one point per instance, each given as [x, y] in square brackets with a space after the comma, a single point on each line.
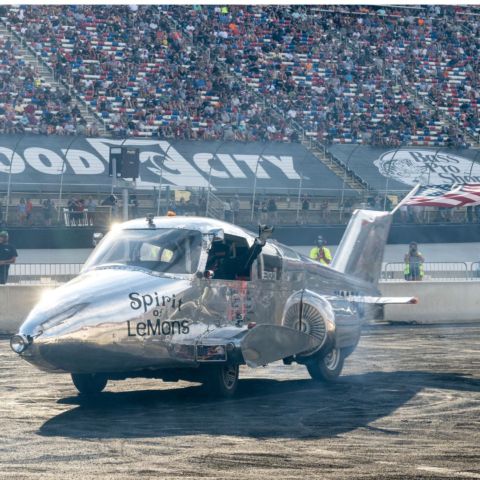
[326, 368]
[221, 380]
[89, 383]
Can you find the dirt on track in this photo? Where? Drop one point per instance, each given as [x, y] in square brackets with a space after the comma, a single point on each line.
[406, 407]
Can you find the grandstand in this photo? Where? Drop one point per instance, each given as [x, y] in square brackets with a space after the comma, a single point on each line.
[320, 75]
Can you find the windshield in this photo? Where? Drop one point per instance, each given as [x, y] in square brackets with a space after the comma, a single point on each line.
[160, 250]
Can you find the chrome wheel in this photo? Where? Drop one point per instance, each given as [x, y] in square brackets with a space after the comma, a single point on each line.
[332, 359]
[230, 376]
[221, 380]
[326, 368]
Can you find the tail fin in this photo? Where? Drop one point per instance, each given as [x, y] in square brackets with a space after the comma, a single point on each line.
[360, 252]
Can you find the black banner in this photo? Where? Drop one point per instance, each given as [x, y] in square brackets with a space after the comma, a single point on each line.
[407, 166]
[40, 163]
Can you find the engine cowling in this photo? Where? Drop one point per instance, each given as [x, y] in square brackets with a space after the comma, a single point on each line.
[312, 314]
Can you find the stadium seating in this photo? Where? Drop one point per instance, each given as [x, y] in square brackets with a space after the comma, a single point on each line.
[341, 74]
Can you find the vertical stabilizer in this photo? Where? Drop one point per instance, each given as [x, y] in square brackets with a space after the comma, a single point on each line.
[360, 252]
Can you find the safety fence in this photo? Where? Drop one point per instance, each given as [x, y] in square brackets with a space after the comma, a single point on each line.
[55, 273]
[43, 273]
[434, 271]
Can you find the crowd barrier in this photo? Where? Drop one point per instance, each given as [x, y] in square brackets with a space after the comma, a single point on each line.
[43, 273]
[55, 273]
[434, 271]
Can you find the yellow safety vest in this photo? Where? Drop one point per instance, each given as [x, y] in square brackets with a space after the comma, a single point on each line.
[326, 255]
[406, 270]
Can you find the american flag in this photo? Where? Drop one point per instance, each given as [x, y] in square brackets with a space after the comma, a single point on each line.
[455, 195]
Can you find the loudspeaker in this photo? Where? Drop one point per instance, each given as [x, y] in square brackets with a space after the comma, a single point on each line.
[127, 162]
[115, 156]
[130, 162]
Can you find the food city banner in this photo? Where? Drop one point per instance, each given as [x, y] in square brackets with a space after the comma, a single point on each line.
[407, 166]
[36, 162]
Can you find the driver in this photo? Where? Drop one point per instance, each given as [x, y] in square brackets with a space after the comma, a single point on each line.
[216, 259]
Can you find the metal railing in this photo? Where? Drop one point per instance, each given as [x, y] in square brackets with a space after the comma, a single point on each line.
[56, 273]
[434, 271]
[43, 273]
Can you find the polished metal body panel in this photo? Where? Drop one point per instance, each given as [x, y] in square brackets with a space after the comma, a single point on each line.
[124, 318]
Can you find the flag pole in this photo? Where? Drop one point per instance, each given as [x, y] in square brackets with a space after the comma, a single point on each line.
[407, 197]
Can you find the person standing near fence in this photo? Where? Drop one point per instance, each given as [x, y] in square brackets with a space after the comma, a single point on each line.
[8, 256]
[414, 261]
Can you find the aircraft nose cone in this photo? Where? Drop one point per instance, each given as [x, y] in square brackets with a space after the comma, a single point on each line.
[85, 324]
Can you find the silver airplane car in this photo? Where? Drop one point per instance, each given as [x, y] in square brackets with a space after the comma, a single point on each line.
[194, 298]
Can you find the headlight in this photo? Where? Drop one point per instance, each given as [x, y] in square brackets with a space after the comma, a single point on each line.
[19, 343]
[62, 316]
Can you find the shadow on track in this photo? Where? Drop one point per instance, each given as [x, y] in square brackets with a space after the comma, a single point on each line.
[263, 408]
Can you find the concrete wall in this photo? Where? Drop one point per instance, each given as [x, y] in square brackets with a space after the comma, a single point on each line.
[16, 301]
[448, 302]
[439, 302]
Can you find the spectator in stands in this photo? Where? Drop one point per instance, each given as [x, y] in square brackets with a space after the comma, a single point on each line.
[22, 211]
[91, 207]
[133, 204]
[305, 208]
[111, 201]
[28, 211]
[227, 210]
[48, 210]
[272, 210]
[8, 256]
[476, 209]
[264, 211]
[236, 209]
[414, 260]
[256, 73]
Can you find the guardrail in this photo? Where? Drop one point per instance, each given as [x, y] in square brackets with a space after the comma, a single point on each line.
[55, 273]
[43, 273]
[434, 271]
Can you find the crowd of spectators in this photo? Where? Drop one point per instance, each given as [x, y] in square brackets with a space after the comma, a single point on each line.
[338, 74]
[28, 103]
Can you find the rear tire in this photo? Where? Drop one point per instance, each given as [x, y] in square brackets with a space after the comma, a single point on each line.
[326, 368]
[221, 380]
[89, 383]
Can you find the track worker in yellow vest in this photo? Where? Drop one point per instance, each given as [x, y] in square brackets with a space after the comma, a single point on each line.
[321, 253]
[414, 260]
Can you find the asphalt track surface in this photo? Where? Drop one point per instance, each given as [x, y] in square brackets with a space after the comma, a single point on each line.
[407, 407]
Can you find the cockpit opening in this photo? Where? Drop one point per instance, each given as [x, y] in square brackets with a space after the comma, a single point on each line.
[228, 259]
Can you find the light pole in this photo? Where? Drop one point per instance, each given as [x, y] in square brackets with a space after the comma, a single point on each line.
[10, 177]
[160, 183]
[299, 195]
[433, 163]
[159, 199]
[255, 181]
[388, 176]
[61, 178]
[207, 205]
[254, 188]
[473, 162]
[344, 181]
